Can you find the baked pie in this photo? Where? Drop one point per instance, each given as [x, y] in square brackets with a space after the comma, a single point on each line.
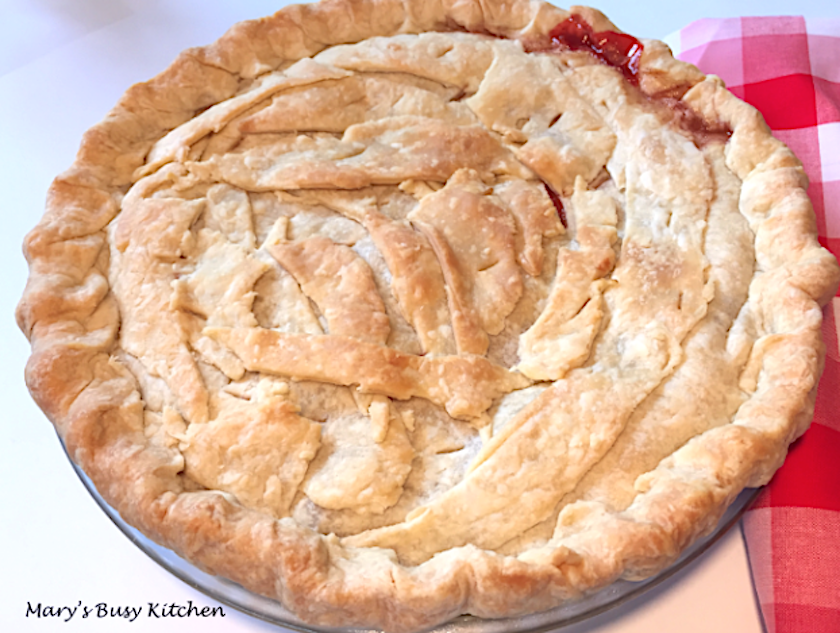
[396, 310]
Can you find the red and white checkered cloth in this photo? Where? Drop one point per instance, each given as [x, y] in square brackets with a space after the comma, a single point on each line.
[789, 68]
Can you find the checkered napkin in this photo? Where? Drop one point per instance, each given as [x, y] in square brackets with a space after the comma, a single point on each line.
[789, 68]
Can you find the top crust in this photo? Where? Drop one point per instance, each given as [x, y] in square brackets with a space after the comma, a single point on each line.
[687, 268]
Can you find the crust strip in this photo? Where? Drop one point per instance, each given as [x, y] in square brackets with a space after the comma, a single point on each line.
[465, 386]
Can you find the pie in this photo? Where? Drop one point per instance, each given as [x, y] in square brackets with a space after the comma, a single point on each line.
[397, 310]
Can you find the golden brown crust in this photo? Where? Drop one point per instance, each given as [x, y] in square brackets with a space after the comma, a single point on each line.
[103, 326]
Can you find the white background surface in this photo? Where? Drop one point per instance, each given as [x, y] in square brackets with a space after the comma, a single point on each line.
[63, 64]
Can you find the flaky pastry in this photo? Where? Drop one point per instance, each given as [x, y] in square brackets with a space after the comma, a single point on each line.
[397, 310]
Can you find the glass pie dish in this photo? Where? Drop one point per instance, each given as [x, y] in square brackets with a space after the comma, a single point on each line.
[268, 610]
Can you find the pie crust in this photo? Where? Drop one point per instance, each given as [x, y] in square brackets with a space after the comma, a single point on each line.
[397, 310]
